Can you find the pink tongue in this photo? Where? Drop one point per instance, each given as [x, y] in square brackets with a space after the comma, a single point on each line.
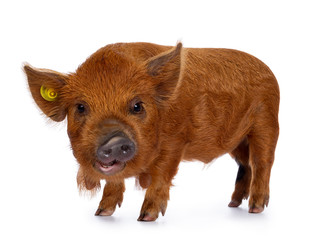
[106, 168]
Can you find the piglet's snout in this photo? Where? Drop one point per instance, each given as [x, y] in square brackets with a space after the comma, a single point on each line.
[119, 148]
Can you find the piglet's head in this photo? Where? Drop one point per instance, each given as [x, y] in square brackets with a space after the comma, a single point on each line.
[114, 105]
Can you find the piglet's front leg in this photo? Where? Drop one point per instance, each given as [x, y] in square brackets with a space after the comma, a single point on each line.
[112, 196]
[157, 194]
[155, 201]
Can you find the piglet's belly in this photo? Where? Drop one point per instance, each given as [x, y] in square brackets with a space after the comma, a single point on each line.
[204, 152]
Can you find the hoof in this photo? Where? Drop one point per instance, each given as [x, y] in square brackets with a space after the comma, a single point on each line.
[102, 212]
[234, 204]
[145, 217]
[256, 209]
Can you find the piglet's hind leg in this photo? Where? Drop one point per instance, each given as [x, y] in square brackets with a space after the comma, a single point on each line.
[242, 185]
[262, 142]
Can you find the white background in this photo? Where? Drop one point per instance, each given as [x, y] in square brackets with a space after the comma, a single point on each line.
[39, 197]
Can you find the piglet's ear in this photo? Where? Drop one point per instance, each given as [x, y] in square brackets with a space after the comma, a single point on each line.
[165, 69]
[45, 87]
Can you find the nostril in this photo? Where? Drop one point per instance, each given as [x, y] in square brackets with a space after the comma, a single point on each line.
[125, 149]
[107, 152]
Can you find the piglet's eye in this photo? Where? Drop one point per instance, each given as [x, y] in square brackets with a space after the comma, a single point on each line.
[137, 108]
[81, 108]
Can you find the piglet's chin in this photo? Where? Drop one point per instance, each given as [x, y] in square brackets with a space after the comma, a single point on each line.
[111, 168]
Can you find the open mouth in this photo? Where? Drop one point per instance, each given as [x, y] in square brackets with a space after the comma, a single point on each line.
[109, 168]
